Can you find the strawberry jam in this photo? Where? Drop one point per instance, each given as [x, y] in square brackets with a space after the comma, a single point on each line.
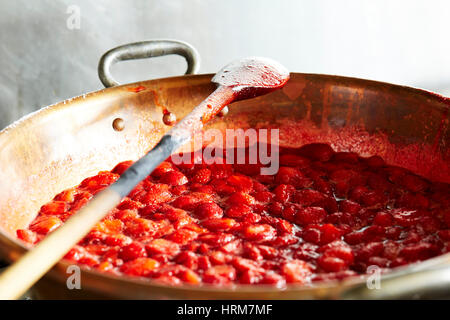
[324, 215]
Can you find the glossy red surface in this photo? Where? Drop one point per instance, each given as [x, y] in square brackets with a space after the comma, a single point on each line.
[322, 216]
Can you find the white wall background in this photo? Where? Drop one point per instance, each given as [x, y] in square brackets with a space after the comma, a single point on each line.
[42, 61]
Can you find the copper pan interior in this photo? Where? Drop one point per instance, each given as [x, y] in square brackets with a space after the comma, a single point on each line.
[58, 146]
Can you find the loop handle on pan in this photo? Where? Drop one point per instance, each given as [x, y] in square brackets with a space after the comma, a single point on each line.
[146, 49]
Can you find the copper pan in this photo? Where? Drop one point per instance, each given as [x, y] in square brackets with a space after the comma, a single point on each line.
[57, 146]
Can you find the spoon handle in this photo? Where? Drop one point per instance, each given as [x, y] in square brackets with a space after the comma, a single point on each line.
[20, 276]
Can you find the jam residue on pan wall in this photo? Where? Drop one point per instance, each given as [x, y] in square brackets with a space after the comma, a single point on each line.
[325, 215]
[421, 158]
[136, 89]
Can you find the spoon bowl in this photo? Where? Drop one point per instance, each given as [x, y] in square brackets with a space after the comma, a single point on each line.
[252, 76]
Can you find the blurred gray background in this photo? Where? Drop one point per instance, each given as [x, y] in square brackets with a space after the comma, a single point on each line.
[43, 61]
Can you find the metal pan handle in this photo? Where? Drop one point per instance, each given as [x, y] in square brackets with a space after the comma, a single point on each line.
[146, 49]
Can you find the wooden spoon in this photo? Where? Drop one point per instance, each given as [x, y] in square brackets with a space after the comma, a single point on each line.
[242, 79]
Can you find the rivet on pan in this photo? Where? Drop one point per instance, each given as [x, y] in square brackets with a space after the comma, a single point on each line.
[118, 124]
[223, 112]
[169, 118]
